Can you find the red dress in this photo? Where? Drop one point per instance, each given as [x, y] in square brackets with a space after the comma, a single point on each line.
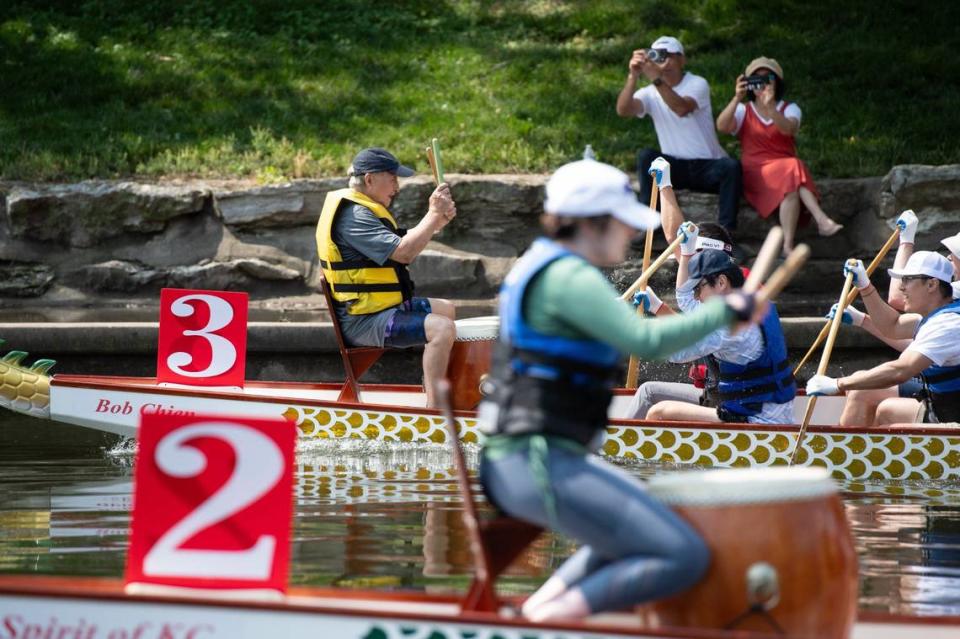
[771, 168]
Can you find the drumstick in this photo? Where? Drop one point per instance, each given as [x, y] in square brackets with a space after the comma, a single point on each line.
[633, 366]
[439, 160]
[824, 362]
[882, 253]
[765, 259]
[782, 276]
[433, 165]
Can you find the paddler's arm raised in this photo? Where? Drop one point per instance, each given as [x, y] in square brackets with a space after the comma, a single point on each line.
[442, 209]
[582, 299]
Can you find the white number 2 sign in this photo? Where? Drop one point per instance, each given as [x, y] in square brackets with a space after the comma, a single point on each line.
[203, 337]
[212, 502]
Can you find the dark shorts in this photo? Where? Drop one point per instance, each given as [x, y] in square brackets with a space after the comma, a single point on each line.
[911, 389]
[406, 327]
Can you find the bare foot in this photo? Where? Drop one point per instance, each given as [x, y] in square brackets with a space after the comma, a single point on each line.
[828, 229]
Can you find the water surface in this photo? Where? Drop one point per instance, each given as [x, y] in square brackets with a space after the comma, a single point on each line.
[378, 515]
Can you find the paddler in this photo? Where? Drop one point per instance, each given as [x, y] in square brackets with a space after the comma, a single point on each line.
[563, 332]
[754, 380]
[364, 256]
[863, 407]
[932, 320]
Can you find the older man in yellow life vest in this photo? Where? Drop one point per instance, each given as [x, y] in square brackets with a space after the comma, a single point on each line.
[364, 257]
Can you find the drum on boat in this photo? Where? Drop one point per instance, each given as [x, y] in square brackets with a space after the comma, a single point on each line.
[470, 359]
[782, 556]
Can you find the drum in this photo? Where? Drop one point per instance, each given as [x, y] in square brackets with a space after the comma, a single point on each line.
[470, 359]
[782, 556]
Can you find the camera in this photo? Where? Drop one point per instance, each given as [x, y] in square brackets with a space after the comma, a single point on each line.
[657, 55]
[757, 82]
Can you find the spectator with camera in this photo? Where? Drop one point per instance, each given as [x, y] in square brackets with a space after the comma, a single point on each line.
[773, 176]
[679, 104]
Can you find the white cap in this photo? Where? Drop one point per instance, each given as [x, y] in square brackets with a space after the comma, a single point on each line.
[671, 44]
[587, 188]
[952, 243]
[926, 263]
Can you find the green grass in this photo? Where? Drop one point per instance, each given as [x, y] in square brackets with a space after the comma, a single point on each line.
[273, 89]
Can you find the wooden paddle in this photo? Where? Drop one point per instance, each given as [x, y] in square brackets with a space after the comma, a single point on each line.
[849, 299]
[765, 260]
[433, 165]
[641, 282]
[782, 276]
[824, 362]
[633, 367]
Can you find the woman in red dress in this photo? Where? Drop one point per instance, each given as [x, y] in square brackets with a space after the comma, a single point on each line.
[773, 176]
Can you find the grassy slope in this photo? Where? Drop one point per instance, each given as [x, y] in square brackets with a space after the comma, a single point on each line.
[275, 88]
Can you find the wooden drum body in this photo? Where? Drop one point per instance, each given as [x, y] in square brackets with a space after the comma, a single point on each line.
[470, 359]
[782, 556]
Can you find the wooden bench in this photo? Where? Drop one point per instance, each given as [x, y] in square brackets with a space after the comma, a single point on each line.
[494, 543]
[356, 360]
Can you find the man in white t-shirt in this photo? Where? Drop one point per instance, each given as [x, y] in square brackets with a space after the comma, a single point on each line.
[679, 104]
[932, 319]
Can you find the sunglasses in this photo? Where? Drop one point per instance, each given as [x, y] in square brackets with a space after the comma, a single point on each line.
[910, 278]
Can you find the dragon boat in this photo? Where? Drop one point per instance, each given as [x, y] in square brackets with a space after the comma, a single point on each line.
[87, 607]
[397, 413]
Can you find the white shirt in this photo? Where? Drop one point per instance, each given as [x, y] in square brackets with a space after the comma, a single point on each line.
[937, 340]
[691, 137]
[737, 348]
[792, 111]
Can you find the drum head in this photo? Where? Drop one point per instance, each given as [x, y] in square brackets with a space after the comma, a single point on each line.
[476, 329]
[741, 486]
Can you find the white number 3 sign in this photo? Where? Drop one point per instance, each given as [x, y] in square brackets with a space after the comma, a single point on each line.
[203, 337]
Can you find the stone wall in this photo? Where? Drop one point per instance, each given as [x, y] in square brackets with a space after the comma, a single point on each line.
[114, 244]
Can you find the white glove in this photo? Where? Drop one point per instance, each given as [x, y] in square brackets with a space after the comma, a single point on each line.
[689, 231]
[850, 315]
[860, 278]
[907, 223]
[956, 290]
[660, 170]
[822, 385]
[648, 300]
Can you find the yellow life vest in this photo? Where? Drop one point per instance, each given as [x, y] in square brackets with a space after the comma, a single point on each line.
[370, 287]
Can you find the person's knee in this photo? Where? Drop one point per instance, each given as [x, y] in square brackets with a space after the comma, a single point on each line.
[859, 397]
[441, 330]
[730, 167]
[791, 197]
[897, 410]
[658, 411]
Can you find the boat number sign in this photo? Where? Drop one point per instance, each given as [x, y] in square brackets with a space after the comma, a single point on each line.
[203, 337]
[212, 502]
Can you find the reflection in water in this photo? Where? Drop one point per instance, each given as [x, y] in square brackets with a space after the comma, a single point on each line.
[372, 514]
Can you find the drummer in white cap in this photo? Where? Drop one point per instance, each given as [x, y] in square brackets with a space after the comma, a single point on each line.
[932, 319]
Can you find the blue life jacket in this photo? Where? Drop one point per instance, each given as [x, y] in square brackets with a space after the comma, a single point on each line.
[515, 331]
[743, 389]
[941, 384]
[542, 383]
